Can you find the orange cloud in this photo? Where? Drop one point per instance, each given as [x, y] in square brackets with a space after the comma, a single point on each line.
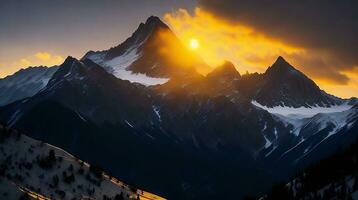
[345, 91]
[38, 59]
[43, 56]
[220, 41]
[25, 62]
[253, 51]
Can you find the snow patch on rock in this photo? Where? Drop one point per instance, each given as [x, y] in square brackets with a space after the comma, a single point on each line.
[302, 112]
[118, 67]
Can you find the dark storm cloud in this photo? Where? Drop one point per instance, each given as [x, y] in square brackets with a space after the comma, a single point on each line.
[327, 28]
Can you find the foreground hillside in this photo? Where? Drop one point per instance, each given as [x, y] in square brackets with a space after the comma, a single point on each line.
[30, 168]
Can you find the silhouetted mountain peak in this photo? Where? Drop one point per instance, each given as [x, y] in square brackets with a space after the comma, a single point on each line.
[140, 35]
[280, 59]
[73, 69]
[281, 66]
[68, 68]
[72, 65]
[152, 24]
[69, 64]
[227, 67]
[225, 71]
[69, 60]
[285, 85]
[155, 21]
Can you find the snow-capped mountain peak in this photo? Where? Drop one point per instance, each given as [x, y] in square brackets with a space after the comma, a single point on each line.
[149, 56]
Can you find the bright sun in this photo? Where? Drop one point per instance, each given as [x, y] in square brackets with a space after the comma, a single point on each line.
[194, 43]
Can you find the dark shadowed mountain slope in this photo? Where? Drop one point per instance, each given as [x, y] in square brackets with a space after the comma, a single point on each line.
[283, 85]
[222, 81]
[334, 177]
[88, 89]
[312, 138]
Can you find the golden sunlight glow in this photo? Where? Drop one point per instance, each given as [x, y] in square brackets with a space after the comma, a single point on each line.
[345, 91]
[194, 43]
[43, 56]
[173, 54]
[38, 59]
[240, 44]
[247, 48]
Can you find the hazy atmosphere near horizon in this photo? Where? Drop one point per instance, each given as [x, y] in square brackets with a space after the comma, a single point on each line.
[179, 99]
[319, 38]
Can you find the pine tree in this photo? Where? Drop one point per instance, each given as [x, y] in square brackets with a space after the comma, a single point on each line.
[355, 185]
[119, 197]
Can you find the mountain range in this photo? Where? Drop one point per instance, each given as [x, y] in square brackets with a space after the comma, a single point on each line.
[153, 113]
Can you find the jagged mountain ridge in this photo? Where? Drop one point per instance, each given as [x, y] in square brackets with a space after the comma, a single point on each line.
[159, 124]
[180, 117]
[24, 83]
[283, 85]
[80, 85]
[134, 59]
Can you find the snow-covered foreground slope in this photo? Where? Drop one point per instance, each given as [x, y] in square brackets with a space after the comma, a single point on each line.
[43, 171]
[24, 83]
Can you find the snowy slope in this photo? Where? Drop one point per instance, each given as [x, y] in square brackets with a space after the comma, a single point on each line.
[327, 123]
[118, 60]
[27, 167]
[311, 127]
[24, 83]
[151, 56]
[302, 117]
[118, 66]
[302, 112]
